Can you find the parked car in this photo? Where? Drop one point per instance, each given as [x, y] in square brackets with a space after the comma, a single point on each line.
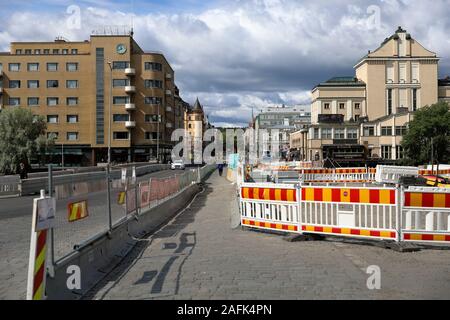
[178, 165]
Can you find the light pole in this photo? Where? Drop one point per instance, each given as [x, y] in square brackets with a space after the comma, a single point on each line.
[157, 135]
[109, 113]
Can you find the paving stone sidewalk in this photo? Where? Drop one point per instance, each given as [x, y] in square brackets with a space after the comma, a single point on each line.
[198, 256]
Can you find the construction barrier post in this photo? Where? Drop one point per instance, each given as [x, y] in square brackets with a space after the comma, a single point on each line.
[42, 220]
[399, 198]
[299, 207]
[52, 235]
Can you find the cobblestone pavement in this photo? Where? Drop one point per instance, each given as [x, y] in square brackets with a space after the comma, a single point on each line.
[198, 256]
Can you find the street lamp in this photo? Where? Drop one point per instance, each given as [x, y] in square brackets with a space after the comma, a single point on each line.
[109, 113]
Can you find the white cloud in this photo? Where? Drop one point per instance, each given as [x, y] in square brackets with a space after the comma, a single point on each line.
[241, 55]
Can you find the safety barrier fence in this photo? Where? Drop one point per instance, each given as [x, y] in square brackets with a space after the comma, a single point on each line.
[88, 210]
[381, 213]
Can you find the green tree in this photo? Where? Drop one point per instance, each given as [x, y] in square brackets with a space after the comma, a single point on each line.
[22, 136]
[428, 137]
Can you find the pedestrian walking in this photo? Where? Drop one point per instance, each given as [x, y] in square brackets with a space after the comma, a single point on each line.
[220, 167]
[23, 171]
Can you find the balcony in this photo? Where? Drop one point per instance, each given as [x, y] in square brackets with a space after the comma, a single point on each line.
[168, 76]
[130, 89]
[130, 72]
[130, 124]
[130, 106]
[168, 92]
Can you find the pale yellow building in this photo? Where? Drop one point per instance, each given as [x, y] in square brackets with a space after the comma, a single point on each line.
[74, 84]
[365, 116]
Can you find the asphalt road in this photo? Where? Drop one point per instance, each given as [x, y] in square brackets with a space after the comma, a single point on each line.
[22, 206]
[15, 227]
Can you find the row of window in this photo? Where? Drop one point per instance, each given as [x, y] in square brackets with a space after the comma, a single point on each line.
[339, 133]
[35, 84]
[149, 66]
[385, 131]
[69, 118]
[46, 51]
[117, 135]
[35, 101]
[158, 84]
[386, 152]
[51, 67]
[357, 106]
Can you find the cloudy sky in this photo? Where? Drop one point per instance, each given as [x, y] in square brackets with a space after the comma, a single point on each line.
[237, 55]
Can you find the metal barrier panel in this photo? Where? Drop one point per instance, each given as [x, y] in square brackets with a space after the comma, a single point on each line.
[355, 212]
[80, 216]
[272, 207]
[426, 215]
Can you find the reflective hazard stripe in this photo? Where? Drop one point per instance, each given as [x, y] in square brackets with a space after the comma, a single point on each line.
[78, 211]
[427, 200]
[269, 225]
[370, 196]
[426, 237]
[351, 231]
[39, 266]
[285, 195]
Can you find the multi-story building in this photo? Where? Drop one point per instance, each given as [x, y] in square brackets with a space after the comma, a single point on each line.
[284, 120]
[365, 116]
[195, 124]
[100, 92]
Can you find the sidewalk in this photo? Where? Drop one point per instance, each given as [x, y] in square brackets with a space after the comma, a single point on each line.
[198, 256]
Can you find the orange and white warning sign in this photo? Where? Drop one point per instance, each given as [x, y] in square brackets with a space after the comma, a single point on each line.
[78, 211]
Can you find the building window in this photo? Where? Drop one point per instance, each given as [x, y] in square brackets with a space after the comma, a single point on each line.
[389, 102]
[152, 118]
[52, 83]
[52, 101]
[72, 66]
[72, 136]
[414, 99]
[121, 100]
[28, 51]
[65, 51]
[33, 101]
[19, 51]
[151, 135]
[14, 67]
[33, 67]
[327, 133]
[120, 135]
[389, 72]
[352, 134]
[399, 152]
[326, 106]
[402, 72]
[1, 67]
[14, 84]
[386, 131]
[153, 100]
[52, 67]
[341, 106]
[339, 134]
[386, 152]
[72, 84]
[55, 51]
[357, 106]
[357, 117]
[121, 83]
[52, 135]
[153, 84]
[369, 131]
[120, 65]
[72, 101]
[46, 51]
[316, 133]
[121, 117]
[153, 66]
[72, 119]
[400, 130]
[415, 72]
[52, 119]
[14, 102]
[74, 51]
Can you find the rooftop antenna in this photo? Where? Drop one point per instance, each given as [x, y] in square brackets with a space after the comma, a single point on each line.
[132, 18]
